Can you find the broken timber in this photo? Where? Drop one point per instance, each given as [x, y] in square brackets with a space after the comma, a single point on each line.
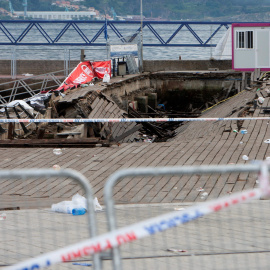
[84, 143]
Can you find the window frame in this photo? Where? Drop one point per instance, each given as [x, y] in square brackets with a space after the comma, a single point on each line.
[244, 40]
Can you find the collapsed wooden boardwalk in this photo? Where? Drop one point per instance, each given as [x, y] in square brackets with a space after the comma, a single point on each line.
[196, 143]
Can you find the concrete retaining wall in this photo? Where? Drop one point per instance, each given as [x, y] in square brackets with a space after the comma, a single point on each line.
[37, 67]
[180, 89]
[181, 65]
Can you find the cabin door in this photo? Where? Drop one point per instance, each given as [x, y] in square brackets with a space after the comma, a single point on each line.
[262, 49]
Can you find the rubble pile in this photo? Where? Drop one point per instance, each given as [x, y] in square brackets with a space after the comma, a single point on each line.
[79, 103]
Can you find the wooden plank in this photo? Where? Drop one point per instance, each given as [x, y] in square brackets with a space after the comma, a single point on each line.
[97, 109]
[128, 132]
[95, 102]
[107, 112]
[50, 142]
[22, 186]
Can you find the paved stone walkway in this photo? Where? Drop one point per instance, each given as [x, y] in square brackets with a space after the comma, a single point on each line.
[232, 239]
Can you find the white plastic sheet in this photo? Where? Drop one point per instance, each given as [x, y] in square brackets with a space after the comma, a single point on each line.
[223, 50]
[77, 201]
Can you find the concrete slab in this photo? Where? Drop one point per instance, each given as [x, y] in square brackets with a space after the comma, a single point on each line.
[237, 238]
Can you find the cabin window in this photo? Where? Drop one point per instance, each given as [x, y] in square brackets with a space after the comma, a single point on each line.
[244, 40]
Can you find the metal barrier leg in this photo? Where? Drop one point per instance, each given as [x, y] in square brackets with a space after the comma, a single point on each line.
[77, 177]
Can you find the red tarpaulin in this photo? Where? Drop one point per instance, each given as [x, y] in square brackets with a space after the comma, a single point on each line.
[83, 73]
[101, 67]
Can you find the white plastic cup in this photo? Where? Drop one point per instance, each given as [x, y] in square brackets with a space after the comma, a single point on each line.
[57, 151]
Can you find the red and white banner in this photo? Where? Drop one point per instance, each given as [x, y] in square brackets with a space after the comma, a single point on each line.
[83, 73]
[101, 67]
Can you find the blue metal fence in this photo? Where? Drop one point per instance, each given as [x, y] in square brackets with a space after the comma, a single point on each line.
[91, 33]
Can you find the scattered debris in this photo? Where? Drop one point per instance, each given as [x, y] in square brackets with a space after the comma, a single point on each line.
[200, 189]
[261, 100]
[56, 167]
[176, 250]
[77, 206]
[3, 216]
[82, 100]
[179, 208]
[245, 157]
[57, 151]
[267, 141]
[18, 103]
[82, 264]
[203, 195]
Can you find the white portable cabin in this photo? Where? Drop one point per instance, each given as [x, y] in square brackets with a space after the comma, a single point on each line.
[251, 46]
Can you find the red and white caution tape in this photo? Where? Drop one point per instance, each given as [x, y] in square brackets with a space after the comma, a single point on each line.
[117, 120]
[145, 228]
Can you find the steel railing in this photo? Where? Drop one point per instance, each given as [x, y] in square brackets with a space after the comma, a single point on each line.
[113, 28]
[30, 86]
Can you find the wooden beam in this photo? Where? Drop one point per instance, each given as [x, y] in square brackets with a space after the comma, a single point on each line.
[91, 142]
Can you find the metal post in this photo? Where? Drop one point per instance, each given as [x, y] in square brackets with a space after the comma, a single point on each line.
[13, 64]
[25, 8]
[108, 50]
[68, 61]
[82, 55]
[66, 56]
[141, 63]
[211, 52]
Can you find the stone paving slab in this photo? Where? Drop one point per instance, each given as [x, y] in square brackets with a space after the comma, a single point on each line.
[237, 238]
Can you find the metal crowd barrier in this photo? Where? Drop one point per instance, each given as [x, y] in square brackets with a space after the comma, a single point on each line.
[30, 86]
[207, 240]
[238, 237]
[35, 230]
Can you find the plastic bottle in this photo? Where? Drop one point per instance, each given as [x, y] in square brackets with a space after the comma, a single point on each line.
[63, 207]
[106, 77]
[3, 216]
[244, 131]
[78, 211]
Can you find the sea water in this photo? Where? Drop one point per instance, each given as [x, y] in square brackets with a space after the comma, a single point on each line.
[99, 52]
